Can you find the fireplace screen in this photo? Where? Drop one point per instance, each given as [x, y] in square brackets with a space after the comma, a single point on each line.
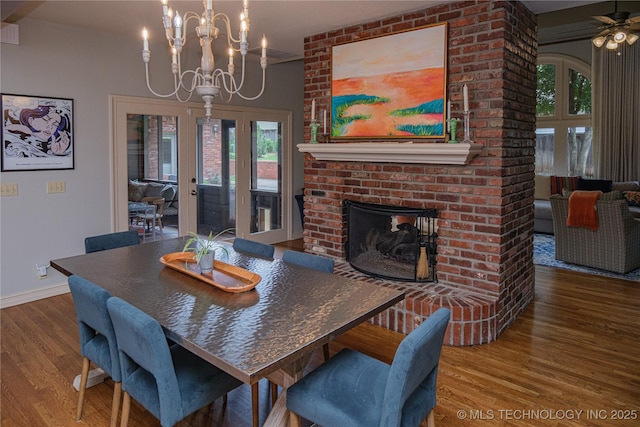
[392, 242]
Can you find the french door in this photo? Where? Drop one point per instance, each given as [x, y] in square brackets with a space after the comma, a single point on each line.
[240, 173]
[232, 171]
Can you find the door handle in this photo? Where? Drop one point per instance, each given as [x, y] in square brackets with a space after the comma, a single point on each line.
[194, 192]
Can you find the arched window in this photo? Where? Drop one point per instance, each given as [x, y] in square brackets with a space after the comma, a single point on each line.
[563, 134]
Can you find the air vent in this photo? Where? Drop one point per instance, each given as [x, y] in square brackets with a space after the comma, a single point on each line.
[10, 33]
[275, 56]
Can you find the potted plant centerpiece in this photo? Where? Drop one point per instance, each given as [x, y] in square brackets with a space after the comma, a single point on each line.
[204, 249]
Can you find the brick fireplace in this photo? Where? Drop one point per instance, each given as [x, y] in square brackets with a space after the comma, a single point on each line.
[485, 266]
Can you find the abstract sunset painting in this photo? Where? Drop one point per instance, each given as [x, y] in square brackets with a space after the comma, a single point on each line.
[390, 86]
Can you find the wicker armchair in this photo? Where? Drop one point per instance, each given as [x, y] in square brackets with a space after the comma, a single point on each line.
[614, 247]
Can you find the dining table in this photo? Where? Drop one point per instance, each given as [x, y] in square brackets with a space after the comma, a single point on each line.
[269, 331]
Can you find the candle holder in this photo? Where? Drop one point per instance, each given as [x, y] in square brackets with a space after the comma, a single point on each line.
[453, 124]
[314, 131]
[466, 128]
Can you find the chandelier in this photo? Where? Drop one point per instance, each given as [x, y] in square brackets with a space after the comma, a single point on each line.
[207, 81]
[617, 28]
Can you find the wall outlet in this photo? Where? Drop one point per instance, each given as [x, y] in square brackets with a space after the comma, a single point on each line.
[9, 190]
[95, 377]
[56, 187]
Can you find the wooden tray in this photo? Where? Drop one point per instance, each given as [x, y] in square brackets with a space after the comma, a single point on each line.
[224, 276]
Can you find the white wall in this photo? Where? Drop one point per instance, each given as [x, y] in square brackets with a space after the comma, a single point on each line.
[66, 62]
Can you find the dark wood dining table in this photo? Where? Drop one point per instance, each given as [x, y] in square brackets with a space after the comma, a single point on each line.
[268, 332]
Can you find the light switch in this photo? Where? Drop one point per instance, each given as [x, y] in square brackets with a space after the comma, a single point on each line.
[9, 190]
[56, 187]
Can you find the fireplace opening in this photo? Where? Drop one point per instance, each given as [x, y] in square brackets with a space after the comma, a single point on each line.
[392, 242]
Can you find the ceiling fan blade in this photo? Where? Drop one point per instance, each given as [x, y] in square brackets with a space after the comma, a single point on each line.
[634, 20]
[604, 19]
[602, 33]
[635, 27]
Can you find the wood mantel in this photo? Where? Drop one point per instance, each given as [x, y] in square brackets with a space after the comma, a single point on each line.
[394, 152]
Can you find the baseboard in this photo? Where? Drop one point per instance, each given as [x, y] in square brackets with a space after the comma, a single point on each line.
[31, 296]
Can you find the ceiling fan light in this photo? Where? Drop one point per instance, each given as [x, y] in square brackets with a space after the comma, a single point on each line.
[611, 44]
[619, 36]
[599, 41]
[632, 38]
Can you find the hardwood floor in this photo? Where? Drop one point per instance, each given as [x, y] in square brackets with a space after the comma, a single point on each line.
[572, 357]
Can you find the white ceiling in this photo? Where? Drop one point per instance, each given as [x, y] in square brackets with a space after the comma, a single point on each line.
[285, 22]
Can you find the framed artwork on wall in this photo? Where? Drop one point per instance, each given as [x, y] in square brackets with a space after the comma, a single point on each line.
[391, 86]
[37, 133]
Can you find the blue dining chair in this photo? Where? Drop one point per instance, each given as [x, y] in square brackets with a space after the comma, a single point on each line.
[97, 339]
[264, 250]
[355, 390]
[253, 247]
[111, 241]
[317, 263]
[308, 260]
[170, 382]
[312, 261]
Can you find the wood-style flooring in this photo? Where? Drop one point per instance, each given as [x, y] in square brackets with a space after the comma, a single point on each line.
[571, 359]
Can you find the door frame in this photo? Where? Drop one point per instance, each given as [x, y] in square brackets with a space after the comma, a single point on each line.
[244, 116]
[187, 113]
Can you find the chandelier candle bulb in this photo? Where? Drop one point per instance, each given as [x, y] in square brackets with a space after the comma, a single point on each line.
[264, 46]
[145, 39]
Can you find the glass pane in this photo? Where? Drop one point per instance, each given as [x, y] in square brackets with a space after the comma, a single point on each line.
[266, 188]
[579, 93]
[546, 90]
[216, 203]
[544, 151]
[152, 158]
[579, 152]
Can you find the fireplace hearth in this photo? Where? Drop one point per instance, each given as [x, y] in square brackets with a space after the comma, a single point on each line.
[392, 242]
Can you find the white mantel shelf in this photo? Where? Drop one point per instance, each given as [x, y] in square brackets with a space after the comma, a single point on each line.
[394, 152]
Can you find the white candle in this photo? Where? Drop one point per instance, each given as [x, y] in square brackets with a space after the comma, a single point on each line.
[324, 121]
[465, 94]
[313, 110]
[145, 39]
[448, 116]
[264, 46]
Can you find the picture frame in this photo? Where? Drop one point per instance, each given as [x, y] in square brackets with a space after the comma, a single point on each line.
[37, 133]
[390, 86]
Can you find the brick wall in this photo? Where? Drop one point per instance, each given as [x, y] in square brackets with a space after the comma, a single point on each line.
[485, 225]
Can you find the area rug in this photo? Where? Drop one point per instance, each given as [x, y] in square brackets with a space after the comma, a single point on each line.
[544, 246]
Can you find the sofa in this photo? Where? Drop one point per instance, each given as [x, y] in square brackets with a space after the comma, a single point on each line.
[163, 195]
[546, 186]
[612, 245]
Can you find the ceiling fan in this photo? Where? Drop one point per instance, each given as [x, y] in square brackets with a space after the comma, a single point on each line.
[617, 28]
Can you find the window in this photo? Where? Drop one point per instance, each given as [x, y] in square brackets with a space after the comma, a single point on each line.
[152, 148]
[564, 133]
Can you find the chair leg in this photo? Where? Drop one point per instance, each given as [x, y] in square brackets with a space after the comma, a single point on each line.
[325, 350]
[83, 387]
[294, 419]
[126, 407]
[274, 393]
[255, 404]
[431, 420]
[115, 405]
